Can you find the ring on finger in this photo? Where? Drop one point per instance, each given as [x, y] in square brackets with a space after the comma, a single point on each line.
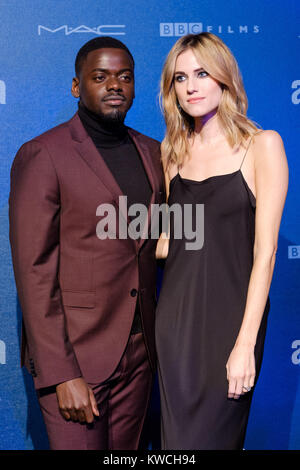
[247, 389]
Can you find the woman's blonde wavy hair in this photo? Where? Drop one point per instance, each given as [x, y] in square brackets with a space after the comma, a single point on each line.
[216, 59]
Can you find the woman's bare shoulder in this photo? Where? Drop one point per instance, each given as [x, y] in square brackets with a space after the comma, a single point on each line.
[267, 139]
[268, 149]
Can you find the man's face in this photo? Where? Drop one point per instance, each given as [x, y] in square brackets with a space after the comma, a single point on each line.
[106, 83]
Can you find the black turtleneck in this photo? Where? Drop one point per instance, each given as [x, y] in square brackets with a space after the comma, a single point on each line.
[122, 158]
[104, 134]
[120, 155]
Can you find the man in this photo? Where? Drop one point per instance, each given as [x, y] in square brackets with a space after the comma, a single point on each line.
[88, 301]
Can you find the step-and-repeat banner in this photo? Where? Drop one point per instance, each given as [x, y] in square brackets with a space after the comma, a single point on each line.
[39, 40]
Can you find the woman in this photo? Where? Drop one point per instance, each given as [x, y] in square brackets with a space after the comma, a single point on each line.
[213, 304]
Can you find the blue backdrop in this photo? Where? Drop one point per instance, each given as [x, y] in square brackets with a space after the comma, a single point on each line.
[39, 41]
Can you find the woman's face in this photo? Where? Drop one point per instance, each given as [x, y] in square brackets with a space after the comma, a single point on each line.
[198, 94]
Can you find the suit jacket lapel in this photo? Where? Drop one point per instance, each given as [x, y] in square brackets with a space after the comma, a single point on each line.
[90, 154]
[88, 151]
[148, 165]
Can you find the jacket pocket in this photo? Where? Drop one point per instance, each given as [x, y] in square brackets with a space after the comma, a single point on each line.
[78, 299]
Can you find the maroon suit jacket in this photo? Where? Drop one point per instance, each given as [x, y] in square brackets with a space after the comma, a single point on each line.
[77, 291]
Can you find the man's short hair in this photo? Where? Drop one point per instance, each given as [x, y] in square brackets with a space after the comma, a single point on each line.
[98, 43]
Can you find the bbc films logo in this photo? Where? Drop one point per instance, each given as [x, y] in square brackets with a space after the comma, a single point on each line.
[181, 29]
[294, 252]
[2, 92]
[100, 30]
[2, 352]
[296, 93]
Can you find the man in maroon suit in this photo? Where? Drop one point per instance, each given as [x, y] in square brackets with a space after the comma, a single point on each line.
[88, 302]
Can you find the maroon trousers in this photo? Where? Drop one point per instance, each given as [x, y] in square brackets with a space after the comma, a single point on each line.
[122, 402]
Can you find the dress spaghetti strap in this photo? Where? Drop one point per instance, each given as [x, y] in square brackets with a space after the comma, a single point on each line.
[246, 151]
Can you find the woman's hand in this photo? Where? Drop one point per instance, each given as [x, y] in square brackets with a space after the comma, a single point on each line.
[240, 370]
[162, 247]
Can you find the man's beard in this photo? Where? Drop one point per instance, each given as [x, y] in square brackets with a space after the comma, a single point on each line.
[114, 118]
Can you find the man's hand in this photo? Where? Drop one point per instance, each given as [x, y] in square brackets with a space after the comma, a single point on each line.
[76, 401]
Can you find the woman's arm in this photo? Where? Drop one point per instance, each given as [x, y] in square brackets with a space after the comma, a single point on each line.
[271, 182]
[162, 247]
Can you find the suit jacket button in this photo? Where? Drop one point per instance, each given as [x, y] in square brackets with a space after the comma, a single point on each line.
[133, 292]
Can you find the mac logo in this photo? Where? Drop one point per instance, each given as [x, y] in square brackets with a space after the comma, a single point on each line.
[105, 29]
